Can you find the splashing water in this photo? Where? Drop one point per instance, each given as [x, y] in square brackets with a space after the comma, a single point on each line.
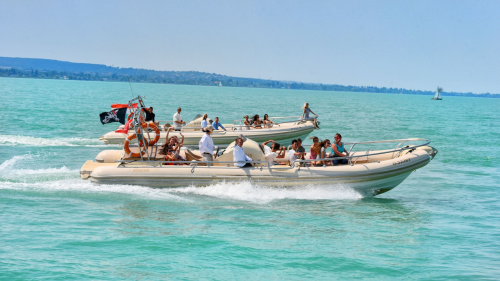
[14, 176]
[16, 140]
[255, 193]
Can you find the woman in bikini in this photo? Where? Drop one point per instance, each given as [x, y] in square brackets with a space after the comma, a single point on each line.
[267, 122]
[257, 122]
[247, 123]
[315, 150]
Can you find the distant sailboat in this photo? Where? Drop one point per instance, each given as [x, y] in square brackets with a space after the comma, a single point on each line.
[220, 84]
[437, 96]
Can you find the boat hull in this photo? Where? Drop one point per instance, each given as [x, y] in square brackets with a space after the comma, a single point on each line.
[280, 134]
[368, 179]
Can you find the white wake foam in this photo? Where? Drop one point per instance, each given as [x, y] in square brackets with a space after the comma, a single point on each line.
[252, 192]
[14, 175]
[13, 140]
[20, 169]
[81, 186]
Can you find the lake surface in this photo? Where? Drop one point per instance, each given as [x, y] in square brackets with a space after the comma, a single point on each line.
[441, 223]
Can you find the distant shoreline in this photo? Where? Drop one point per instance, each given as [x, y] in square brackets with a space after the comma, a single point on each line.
[476, 95]
[53, 69]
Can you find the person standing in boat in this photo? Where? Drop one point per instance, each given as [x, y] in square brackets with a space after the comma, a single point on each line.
[204, 122]
[178, 120]
[305, 114]
[339, 150]
[216, 124]
[239, 156]
[150, 116]
[207, 145]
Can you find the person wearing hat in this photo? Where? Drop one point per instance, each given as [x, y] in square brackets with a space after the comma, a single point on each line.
[207, 145]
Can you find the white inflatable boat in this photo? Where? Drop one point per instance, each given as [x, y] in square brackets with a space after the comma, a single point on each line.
[369, 172]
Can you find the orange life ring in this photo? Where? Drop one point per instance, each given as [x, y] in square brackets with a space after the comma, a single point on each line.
[152, 126]
[126, 147]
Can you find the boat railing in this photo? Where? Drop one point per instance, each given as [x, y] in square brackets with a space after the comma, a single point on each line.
[194, 163]
[401, 141]
[368, 154]
[241, 121]
[299, 161]
[233, 127]
[270, 118]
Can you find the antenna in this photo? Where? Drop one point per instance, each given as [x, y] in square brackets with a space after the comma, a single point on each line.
[130, 86]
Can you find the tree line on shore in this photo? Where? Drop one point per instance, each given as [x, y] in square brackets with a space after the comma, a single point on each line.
[209, 79]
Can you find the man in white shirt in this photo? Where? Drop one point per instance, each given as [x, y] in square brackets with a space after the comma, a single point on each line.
[239, 155]
[207, 145]
[292, 153]
[178, 120]
[272, 152]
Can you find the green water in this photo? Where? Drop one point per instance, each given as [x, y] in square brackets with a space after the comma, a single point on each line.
[441, 223]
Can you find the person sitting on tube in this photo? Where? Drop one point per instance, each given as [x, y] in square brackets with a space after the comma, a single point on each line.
[339, 151]
[276, 151]
[239, 156]
[257, 122]
[247, 122]
[216, 124]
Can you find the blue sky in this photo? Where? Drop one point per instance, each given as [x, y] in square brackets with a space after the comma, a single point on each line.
[407, 44]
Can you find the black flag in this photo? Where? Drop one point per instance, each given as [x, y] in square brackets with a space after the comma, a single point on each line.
[115, 115]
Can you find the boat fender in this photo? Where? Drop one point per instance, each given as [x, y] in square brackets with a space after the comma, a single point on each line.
[126, 147]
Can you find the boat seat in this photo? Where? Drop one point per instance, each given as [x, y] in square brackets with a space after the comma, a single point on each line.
[165, 127]
[190, 156]
[158, 157]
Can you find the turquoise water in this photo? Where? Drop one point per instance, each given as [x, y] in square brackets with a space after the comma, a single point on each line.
[441, 223]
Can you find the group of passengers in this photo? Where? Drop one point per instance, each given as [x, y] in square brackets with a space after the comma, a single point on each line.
[256, 122]
[172, 145]
[319, 151]
[215, 124]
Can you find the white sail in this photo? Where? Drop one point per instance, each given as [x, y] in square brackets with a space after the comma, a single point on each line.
[437, 96]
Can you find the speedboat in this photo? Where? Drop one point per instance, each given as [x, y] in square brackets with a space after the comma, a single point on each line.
[291, 128]
[283, 129]
[368, 172]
